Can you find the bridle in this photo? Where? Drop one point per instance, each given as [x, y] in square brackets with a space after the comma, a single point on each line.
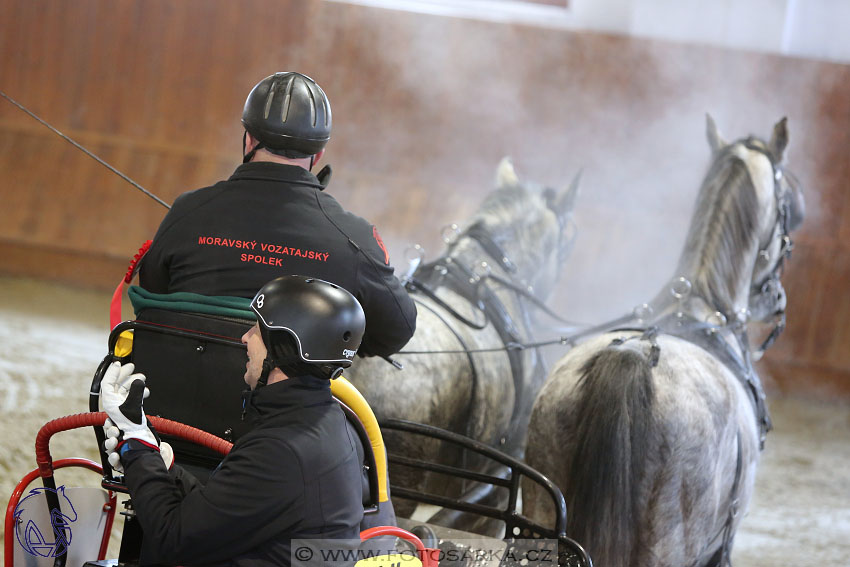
[479, 275]
[472, 283]
[770, 285]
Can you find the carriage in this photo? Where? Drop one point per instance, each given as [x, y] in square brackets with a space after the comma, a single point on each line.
[746, 181]
[200, 342]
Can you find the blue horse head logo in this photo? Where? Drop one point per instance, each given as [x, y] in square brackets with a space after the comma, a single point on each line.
[30, 536]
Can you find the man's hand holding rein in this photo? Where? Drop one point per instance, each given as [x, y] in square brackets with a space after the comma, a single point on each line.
[122, 394]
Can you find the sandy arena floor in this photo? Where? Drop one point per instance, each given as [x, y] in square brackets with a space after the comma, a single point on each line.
[52, 339]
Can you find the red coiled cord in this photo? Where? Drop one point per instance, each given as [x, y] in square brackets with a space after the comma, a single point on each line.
[115, 304]
[166, 426]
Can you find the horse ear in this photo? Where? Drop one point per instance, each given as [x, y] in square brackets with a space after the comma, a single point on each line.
[566, 201]
[779, 140]
[715, 140]
[505, 174]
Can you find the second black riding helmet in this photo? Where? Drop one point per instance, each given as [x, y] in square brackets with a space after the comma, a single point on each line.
[326, 321]
[288, 112]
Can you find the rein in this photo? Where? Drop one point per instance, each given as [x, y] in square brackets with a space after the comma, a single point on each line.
[446, 272]
[470, 285]
[465, 350]
[473, 287]
[414, 285]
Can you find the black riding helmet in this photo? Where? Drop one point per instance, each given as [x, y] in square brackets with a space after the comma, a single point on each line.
[323, 322]
[289, 114]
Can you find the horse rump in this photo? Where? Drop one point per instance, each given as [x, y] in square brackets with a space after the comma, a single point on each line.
[602, 444]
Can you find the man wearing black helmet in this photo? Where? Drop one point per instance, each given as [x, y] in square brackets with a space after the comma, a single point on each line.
[271, 217]
[295, 475]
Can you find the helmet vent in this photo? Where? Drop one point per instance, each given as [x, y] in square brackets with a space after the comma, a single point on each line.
[326, 107]
[346, 336]
[284, 109]
[314, 115]
[269, 99]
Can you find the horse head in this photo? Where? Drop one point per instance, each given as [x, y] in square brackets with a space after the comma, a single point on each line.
[776, 208]
[740, 236]
[525, 230]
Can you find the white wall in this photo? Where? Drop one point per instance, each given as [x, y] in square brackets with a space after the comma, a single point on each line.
[816, 29]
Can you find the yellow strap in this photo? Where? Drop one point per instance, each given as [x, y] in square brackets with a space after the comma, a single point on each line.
[345, 392]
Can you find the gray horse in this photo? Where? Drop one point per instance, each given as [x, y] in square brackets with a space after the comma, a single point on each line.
[477, 296]
[652, 428]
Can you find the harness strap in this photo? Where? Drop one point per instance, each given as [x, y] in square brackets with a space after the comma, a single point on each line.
[469, 357]
[722, 557]
[771, 338]
[650, 335]
[728, 531]
[701, 335]
[473, 289]
[414, 285]
[483, 238]
[527, 295]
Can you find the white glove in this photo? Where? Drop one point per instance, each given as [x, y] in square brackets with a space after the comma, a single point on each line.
[167, 454]
[113, 439]
[121, 395]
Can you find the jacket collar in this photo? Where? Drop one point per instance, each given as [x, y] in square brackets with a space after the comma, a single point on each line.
[271, 171]
[290, 394]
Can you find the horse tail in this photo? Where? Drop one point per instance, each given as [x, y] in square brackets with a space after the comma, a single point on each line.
[615, 443]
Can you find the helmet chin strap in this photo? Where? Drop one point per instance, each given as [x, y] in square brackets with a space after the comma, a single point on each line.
[247, 157]
[248, 393]
[260, 146]
[268, 366]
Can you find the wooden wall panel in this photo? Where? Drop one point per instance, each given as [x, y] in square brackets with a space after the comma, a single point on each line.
[424, 107]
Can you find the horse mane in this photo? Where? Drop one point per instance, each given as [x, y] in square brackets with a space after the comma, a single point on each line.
[499, 214]
[501, 205]
[723, 228]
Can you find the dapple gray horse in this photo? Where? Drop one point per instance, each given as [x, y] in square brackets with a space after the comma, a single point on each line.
[478, 295]
[653, 428]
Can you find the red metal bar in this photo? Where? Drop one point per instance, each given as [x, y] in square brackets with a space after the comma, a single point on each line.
[110, 518]
[46, 466]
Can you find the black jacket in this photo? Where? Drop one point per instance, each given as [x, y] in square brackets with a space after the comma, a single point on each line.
[268, 220]
[295, 475]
